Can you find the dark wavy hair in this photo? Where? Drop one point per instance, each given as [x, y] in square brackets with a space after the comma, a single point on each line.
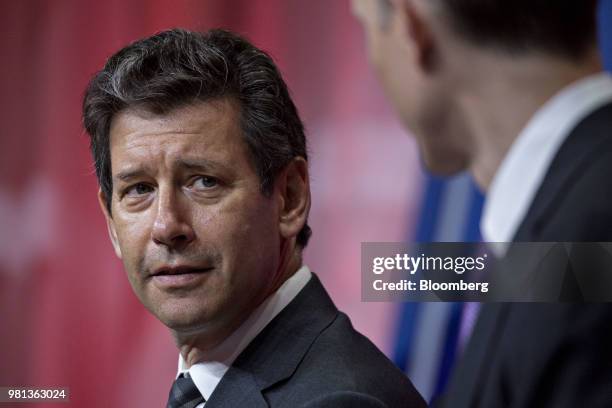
[176, 68]
[566, 28]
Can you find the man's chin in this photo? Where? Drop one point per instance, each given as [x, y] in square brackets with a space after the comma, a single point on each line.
[443, 161]
[444, 168]
[186, 325]
[181, 315]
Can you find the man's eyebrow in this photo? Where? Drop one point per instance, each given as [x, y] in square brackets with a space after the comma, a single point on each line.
[190, 164]
[201, 164]
[129, 174]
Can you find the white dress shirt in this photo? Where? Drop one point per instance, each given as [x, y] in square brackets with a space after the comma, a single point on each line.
[522, 171]
[208, 373]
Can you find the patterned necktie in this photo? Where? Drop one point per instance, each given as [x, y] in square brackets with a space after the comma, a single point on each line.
[184, 393]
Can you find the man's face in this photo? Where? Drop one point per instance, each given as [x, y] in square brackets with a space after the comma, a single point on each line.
[399, 48]
[199, 242]
[387, 51]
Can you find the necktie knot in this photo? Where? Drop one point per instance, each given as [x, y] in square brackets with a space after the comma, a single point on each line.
[184, 393]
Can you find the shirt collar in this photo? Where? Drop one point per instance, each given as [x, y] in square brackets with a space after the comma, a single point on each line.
[208, 373]
[524, 167]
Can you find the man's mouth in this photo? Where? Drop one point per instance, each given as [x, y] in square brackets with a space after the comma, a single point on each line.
[178, 270]
[168, 277]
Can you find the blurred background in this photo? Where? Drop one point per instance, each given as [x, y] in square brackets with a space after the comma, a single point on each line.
[68, 316]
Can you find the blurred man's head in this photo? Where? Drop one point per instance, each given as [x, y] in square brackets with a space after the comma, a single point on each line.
[432, 56]
[201, 159]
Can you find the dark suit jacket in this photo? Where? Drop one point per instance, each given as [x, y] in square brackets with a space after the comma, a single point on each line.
[310, 356]
[551, 355]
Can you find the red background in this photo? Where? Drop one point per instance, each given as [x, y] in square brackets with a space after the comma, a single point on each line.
[68, 316]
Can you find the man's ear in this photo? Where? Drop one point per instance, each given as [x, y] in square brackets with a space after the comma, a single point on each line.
[294, 186]
[110, 223]
[417, 28]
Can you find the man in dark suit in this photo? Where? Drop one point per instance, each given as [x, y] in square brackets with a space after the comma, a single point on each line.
[201, 159]
[513, 91]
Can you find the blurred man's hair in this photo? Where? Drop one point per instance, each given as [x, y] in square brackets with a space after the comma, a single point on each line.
[565, 28]
[176, 68]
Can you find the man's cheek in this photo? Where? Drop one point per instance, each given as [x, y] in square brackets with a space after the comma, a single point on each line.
[132, 261]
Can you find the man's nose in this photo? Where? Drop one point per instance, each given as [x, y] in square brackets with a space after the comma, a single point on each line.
[172, 227]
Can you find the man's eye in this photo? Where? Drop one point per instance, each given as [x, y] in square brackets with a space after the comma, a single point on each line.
[205, 182]
[138, 190]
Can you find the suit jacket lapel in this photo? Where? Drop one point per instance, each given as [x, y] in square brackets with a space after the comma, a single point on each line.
[577, 152]
[581, 148]
[276, 352]
[237, 388]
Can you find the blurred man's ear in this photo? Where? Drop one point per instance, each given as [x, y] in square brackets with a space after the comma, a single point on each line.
[418, 31]
[110, 223]
[294, 187]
